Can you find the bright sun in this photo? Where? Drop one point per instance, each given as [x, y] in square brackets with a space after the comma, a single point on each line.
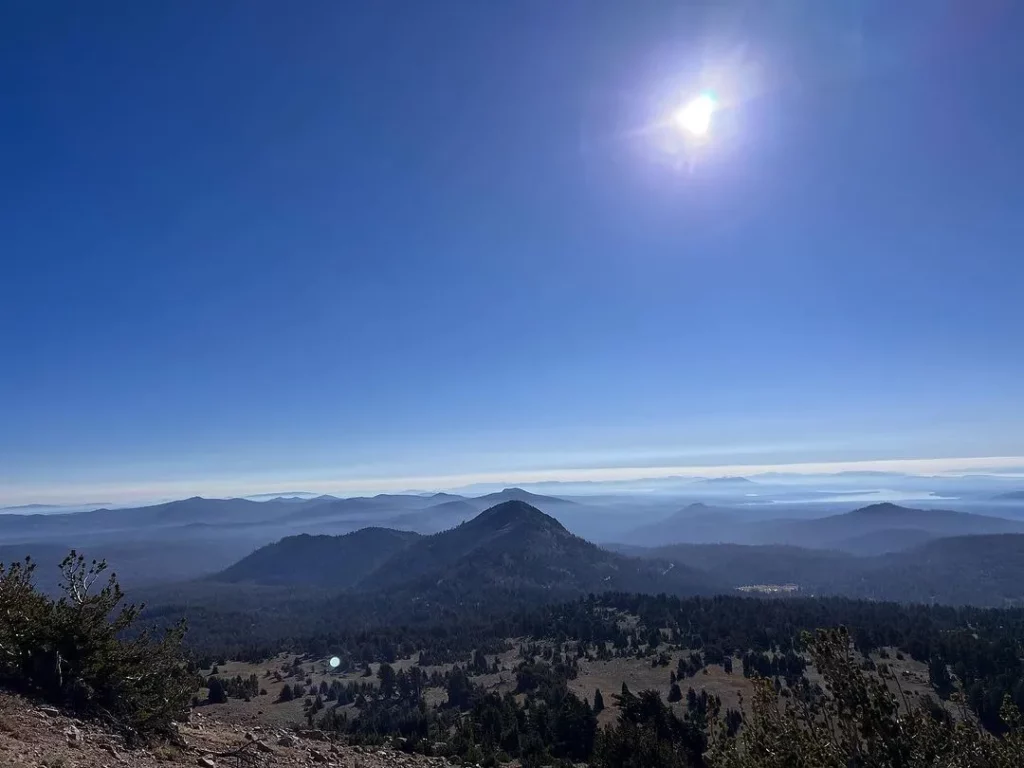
[695, 117]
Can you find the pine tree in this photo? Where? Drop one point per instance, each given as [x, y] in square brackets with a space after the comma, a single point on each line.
[217, 694]
[386, 676]
[598, 701]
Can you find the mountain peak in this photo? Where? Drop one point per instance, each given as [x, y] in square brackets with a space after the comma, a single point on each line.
[882, 508]
[729, 480]
[520, 494]
[514, 512]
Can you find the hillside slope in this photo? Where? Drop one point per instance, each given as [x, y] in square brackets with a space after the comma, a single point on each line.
[322, 561]
[696, 523]
[515, 546]
[984, 570]
[739, 564]
[32, 736]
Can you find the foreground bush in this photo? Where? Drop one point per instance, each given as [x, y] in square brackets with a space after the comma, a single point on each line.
[859, 722]
[81, 651]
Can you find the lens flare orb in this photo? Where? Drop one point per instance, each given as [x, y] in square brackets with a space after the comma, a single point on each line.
[695, 117]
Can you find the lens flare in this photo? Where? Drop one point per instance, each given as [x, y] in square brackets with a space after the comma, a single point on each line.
[695, 116]
[335, 662]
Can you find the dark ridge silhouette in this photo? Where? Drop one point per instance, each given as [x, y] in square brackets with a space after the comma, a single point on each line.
[324, 561]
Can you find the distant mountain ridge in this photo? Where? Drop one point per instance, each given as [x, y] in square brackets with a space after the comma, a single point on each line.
[511, 546]
[834, 530]
[518, 494]
[725, 481]
[872, 529]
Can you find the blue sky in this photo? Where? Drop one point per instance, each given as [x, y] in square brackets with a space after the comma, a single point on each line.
[252, 243]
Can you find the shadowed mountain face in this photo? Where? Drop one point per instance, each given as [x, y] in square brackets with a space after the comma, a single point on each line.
[883, 541]
[512, 547]
[511, 536]
[323, 561]
[962, 570]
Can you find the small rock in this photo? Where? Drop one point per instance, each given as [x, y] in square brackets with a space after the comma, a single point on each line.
[250, 737]
[74, 736]
[318, 757]
[206, 762]
[287, 741]
[49, 711]
[262, 746]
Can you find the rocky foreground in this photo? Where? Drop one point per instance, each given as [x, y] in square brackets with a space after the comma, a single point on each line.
[33, 736]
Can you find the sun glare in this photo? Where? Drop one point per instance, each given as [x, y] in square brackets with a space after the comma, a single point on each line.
[695, 116]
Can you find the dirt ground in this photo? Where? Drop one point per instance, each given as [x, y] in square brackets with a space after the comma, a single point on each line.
[267, 710]
[32, 736]
[639, 675]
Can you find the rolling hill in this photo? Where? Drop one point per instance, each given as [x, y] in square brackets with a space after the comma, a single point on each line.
[833, 531]
[697, 523]
[962, 570]
[983, 570]
[740, 564]
[323, 561]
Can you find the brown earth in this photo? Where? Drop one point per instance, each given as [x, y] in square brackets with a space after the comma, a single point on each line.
[33, 736]
[638, 674]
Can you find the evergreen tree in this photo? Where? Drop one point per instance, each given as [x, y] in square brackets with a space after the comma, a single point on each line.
[598, 701]
[938, 676]
[386, 676]
[217, 694]
[82, 652]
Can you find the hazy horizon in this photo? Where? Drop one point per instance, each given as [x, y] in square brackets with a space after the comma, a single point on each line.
[247, 248]
[1005, 467]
